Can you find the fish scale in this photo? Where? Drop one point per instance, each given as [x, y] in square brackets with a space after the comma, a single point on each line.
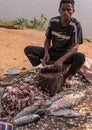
[26, 111]
[64, 113]
[67, 101]
[56, 97]
[26, 120]
[1, 94]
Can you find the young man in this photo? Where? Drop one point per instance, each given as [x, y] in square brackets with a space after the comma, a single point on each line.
[63, 36]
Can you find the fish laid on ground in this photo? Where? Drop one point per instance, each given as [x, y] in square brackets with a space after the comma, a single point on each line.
[56, 97]
[64, 113]
[26, 120]
[60, 113]
[26, 111]
[67, 101]
[1, 92]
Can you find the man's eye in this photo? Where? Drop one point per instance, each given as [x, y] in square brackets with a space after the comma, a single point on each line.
[63, 9]
[66, 10]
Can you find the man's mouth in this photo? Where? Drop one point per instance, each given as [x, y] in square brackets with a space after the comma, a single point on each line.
[66, 16]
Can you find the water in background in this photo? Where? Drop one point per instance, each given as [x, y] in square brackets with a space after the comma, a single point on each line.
[12, 9]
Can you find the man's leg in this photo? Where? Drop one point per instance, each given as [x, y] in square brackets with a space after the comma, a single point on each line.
[34, 54]
[76, 61]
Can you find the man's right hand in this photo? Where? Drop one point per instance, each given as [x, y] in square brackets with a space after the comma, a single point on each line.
[58, 65]
[46, 57]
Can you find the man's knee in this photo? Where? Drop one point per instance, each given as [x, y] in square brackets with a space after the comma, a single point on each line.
[80, 57]
[27, 50]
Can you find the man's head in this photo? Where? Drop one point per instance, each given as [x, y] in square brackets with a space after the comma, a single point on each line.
[67, 1]
[66, 9]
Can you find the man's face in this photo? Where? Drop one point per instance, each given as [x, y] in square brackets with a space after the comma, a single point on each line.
[66, 11]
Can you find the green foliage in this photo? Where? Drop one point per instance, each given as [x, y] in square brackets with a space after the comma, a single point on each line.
[22, 21]
[7, 22]
[39, 24]
[88, 40]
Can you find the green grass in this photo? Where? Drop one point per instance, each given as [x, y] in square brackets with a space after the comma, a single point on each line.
[7, 22]
[35, 23]
[88, 40]
[39, 24]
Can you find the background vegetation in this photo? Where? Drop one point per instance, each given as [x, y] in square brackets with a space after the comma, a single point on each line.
[35, 23]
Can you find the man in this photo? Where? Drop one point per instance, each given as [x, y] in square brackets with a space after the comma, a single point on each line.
[63, 36]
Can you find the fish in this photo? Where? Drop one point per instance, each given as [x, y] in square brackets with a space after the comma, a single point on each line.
[26, 111]
[24, 120]
[67, 101]
[64, 113]
[1, 93]
[56, 97]
[48, 69]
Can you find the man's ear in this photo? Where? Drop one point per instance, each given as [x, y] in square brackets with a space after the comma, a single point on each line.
[73, 10]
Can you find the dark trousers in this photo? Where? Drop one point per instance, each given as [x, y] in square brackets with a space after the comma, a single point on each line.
[35, 54]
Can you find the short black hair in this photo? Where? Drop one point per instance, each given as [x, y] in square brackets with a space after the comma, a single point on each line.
[67, 1]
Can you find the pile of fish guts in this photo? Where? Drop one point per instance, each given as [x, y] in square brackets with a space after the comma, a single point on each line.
[36, 105]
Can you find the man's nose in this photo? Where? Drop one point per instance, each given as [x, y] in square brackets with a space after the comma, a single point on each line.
[66, 11]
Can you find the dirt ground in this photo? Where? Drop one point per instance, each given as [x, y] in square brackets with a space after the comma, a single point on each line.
[13, 42]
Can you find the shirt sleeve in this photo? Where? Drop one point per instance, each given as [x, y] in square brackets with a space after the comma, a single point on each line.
[48, 31]
[77, 36]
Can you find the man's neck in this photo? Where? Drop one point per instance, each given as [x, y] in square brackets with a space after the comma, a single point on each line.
[65, 22]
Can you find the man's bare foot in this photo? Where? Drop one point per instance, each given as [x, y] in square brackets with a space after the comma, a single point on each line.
[68, 83]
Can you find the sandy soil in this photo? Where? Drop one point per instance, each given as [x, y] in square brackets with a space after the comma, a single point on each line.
[13, 42]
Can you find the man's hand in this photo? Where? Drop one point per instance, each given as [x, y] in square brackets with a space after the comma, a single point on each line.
[46, 57]
[58, 65]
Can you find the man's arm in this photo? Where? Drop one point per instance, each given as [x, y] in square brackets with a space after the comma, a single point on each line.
[70, 52]
[47, 44]
[59, 63]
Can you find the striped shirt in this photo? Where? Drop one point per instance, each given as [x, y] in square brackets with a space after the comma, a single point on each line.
[63, 37]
